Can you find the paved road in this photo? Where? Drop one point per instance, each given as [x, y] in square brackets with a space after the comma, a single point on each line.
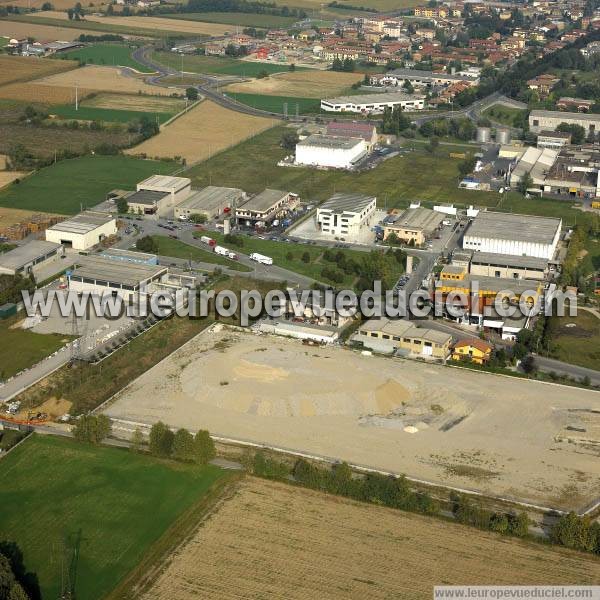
[547, 365]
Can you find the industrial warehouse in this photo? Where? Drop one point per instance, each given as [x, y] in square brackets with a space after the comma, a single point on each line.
[210, 202]
[344, 216]
[374, 103]
[28, 258]
[83, 231]
[330, 151]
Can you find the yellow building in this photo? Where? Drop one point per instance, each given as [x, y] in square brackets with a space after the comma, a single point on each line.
[474, 349]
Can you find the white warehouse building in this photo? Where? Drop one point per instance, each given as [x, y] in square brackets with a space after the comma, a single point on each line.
[343, 216]
[515, 235]
[83, 231]
[374, 103]
[330, 151]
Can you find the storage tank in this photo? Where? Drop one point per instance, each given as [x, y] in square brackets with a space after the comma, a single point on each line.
[484, 134]
[503, 136]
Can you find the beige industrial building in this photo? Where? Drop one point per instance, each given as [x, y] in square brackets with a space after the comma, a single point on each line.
[158, 195]
[541, 120]
[414, 225]
[386, 335]
[24, 259]
[264, 207]
[83, 231]
[506, 266]
[210, 201]
[344, 216]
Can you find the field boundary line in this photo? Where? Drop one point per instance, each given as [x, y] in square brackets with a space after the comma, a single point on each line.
[3, 454]
[182, 112]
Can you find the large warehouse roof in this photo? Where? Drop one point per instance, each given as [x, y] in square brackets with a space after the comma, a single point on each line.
[83, 222]
[332, 142]
[26, 254]
[506, 260]
[340, 203]
[419, 218]
[146, 197]
[212, 198]
[374, 98]
[564, 116]
[263, 201]
[403, 328]
[509, 226]
[166, 182]
[126, 273]
[415, 74]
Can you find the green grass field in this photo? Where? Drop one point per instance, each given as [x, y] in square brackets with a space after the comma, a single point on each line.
[117, 55]
[55, 491]
[503, 114]
[66, 186]
[280, 251]
[178, 249]
[216, 64]
[396, 182]
[236, 18]
[579, 345]
[20, 348]
[107, 115]
[275, 103]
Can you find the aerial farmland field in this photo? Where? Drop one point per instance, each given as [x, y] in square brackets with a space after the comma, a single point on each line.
[116, 55]
[236, 18]
[17, 29]
[106, 506]
[203, 131]
[19, 69]
[54, 189]
[269, 537]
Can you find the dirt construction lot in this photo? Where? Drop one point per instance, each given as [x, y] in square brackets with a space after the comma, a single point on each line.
[105, 79]
[307, 84]
[271, 540]
[474, 431]
[205, 130]
[153, 23]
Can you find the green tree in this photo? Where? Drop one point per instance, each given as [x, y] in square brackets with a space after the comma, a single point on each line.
[289, 139]
[161, 440]
[525, 183]
[122, 206]
[306, 257]
[204, 447]
[91, 428]
[191, 94]
[577, 132]
[198, 218]
[433, 145]
[137, 440]
[183, 446]
[10, 588]
[147, 244]
[573, 532]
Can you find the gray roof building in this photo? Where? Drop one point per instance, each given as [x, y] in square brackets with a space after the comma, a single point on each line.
[21, 258]
[510, 226]
[354, 203]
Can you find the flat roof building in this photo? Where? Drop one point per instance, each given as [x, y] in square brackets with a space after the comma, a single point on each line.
[263, 207]
[397, 77]
[100, 274]
[344, 216]
[83, 231]
[397, 335]
[23, 260]
[507, 266]
[148, 202]
[516, 235]
[210, 201]
[331, 151]
[367, 131]
[374, 103]
[553, 139]
[130, 256]
[414, 225]
[177, 188]
[540, 120]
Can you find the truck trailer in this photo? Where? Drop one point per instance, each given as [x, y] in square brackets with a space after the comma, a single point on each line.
[222, 251]
[261, 258]
[207, 240]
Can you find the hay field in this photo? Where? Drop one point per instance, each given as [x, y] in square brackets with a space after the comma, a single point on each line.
[104, 79]
[57, 4]
[477, 431]
[152, 23]
[205, 130]
[135, 102]
[17, 29]
[46, 94]
[7, 177]
[271, 540]
[307, 84]
[19, 68]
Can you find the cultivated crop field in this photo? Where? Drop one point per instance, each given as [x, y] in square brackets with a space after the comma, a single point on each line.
[271, 540]
[57, 4]
[308, 84]
[46, 94]
[118, 55]
[106, 506]
[55, 189]
[19, 68]
[150, 23]
[19, 30]
[478, 431]
[102, 78]
[237, 18]
[276, 104]
[202, 132]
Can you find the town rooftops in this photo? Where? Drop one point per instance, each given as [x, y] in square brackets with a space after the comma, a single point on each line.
[318, 140]
[264, 201]
[84, 222]
[509, 226]
[27, 253]
[146, 197]
[354, 203]
[100, 268]
[374, 98]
